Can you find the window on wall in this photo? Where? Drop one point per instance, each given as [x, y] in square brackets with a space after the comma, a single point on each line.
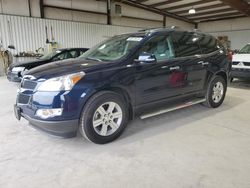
[160, 46]
[186, 44]
[208, 44]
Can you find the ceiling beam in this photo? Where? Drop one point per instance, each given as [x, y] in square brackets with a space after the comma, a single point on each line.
[217, 16]
[152, 9]
[211, 12]
[240, 5]
[218, 19]
[201, 8]
[188, 5]
[164, 3]
[141, 1]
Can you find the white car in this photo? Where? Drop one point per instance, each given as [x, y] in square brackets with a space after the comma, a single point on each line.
[241, 63]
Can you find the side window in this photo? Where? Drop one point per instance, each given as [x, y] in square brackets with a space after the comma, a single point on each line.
[186, 44]
[208, 44]
[73, 54]
[81, 52]
[59, 57]
[63, 55]
[160, 46]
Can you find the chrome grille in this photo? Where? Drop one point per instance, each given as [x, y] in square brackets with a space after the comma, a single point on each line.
[28, 84]
[23, 99]
[235, 63]
[27, 87]
[244, 63]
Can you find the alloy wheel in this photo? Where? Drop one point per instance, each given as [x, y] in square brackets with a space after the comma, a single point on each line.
[218, 91]
[107, 118]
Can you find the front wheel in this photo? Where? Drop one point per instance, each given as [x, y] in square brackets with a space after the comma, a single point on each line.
[216, 92]
[104, 117]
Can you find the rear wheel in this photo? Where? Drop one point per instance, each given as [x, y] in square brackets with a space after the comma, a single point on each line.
[216, 92]
[104, 117]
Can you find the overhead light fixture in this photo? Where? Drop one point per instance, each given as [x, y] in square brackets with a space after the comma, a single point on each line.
[192, 11]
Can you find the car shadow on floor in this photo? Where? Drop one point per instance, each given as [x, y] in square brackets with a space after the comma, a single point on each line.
[141, 129]
[240, 84]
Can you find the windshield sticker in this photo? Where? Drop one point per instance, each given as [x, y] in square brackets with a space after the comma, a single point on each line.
[136, 39]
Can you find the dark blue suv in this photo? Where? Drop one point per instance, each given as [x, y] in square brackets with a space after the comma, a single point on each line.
[139, 74]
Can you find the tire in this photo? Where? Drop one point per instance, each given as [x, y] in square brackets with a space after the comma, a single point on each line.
[215, 98]
[100, 124]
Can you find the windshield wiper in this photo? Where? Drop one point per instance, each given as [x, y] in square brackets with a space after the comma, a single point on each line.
[92, 58]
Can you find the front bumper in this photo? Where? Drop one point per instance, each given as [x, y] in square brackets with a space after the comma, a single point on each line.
[66, 128]
[71, 102]
[13, 76]
[240, 73]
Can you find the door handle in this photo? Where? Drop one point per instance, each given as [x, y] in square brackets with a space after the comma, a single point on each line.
[164, 67]
[174, 68]
[203, 63]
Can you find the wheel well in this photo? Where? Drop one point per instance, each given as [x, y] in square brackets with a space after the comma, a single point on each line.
[126, 98]
[223, 75]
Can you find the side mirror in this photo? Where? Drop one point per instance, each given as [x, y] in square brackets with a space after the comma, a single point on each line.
[146, 58]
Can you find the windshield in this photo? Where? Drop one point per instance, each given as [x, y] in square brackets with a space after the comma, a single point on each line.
[245, 49]
[112, 49]
[50, 55]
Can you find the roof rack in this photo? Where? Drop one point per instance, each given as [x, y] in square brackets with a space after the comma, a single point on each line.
[159, 29]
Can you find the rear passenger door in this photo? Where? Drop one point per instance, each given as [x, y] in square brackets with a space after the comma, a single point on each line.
[191, 60]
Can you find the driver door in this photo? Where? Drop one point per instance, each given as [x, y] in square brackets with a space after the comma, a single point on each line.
[162, 79]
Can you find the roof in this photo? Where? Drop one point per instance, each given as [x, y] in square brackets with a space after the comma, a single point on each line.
[170, 29]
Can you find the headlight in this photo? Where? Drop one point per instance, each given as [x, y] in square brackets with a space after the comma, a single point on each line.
[18, 69]
[61, 83]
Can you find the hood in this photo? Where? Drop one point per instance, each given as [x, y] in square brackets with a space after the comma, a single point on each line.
[64, 67]
[241, 57]
[25, 63]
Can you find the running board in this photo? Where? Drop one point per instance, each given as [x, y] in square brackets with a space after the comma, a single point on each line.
[183, 105]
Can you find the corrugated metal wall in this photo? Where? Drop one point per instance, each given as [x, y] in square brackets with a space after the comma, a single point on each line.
[29, 33]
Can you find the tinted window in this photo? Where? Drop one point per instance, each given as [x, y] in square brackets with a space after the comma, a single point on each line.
[82, 51]
[73, 53]
[245, 49]
[208, 44]
[113, 49]
[50, 55]
[160, 46]
[63, 55]
[186, 44]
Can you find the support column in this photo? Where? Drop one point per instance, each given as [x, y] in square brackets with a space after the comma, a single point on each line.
[109, 22]
[164, 20]
[42, 8]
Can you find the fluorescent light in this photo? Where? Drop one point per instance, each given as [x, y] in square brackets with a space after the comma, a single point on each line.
[192, 11]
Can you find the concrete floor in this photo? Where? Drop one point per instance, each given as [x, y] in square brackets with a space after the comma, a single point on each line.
[194, 147]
